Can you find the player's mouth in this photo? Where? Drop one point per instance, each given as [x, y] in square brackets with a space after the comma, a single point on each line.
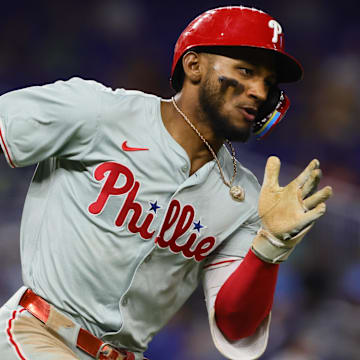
[249, 113]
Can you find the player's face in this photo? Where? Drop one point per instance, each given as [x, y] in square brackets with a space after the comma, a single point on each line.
[231, 106]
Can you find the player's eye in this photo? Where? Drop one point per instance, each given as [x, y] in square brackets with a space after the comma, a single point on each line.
[245, 71]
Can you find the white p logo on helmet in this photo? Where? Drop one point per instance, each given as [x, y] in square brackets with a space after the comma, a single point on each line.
[273, 24]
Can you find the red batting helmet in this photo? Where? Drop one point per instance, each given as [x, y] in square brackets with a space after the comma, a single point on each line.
[235, 26]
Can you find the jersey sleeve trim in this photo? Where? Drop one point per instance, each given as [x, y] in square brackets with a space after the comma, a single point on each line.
[218, 263]
[4, 146]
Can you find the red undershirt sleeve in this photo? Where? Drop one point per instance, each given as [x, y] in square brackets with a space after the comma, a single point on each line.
[246, 298]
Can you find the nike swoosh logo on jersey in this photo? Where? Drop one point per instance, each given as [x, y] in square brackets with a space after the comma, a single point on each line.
[125, 147]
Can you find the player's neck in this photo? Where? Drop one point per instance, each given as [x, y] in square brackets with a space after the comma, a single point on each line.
[184, 135]
[188, 103]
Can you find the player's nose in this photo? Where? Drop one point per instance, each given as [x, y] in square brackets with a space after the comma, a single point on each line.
[257, 89]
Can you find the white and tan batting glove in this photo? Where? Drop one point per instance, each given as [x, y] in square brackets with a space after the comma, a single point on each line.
[287, 213]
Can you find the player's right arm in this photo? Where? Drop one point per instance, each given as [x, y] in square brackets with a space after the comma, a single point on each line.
[54, 120]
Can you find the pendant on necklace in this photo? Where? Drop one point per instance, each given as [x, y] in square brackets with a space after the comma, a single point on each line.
[237, 193]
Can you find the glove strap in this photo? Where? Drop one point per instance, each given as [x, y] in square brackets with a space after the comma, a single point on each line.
[271, 249]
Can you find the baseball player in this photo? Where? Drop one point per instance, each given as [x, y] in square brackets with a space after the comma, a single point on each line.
[137, 199]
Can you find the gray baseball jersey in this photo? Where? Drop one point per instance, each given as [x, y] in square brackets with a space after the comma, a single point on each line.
[115, 233]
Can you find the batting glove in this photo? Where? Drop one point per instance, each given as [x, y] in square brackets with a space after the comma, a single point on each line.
[287, 213]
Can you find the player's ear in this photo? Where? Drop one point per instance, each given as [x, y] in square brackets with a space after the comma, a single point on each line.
[192, 65]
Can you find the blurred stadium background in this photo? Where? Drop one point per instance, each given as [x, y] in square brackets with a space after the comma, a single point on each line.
[129, 43]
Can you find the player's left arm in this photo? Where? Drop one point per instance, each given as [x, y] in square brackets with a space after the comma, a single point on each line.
[287, 213]
[244, 295]
[239, 294]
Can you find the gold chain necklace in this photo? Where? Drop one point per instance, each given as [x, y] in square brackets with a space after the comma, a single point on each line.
[236, 192]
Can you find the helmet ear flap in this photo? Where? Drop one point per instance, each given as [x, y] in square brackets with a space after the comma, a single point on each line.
[270, 104]
[270, 112]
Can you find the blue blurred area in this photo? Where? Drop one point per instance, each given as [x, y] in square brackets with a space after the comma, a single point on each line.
[129, 44]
